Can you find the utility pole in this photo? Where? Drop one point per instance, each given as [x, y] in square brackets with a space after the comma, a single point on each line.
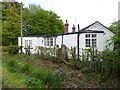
[78, 41]
[21, 28]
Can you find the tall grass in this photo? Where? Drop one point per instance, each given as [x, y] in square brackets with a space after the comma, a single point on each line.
[37, 77]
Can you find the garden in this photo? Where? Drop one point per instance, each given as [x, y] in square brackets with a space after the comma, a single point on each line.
[34, 71]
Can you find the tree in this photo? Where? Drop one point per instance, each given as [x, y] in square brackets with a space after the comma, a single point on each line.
[36, 21]
[42, 21]
[10, 23]
[115, 27]
[116, 57]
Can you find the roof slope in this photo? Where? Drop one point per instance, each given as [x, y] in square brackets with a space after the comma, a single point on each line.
[95, 23]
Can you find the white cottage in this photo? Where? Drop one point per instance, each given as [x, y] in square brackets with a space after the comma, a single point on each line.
[95, 35]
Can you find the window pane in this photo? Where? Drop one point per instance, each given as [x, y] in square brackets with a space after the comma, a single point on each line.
[26, 43]
[51, 41]
[47, 41]
[87, 41]
[30, 43]
[93, 35]
[55, 41]
[94, 42]
[87, 35]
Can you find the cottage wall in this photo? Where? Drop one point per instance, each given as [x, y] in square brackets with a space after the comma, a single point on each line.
[70, 40]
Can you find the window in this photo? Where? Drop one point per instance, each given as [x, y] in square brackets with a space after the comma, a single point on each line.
[28, 43]
[93, 35]
[44, 41]
[55, 41]
[87, 42]
[94, 42]
[90, 40]
[87, 35]
[49, 41]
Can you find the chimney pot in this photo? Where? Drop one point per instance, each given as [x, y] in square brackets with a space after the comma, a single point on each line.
[66, 26]
[73, 28]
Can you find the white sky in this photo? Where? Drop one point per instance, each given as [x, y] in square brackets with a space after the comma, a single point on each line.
[86, 12]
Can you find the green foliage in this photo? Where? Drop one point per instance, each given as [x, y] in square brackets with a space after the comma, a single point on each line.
[40, 21]
[34, 83]
[23, 67]
[13, 49]
[114, 27]
[52, 79]
[36, 21]
[10, 23]
[100, 78]
[111, 62]
[36, 77]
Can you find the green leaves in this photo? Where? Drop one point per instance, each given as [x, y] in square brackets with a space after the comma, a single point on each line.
[10, 25]
[36, 21]
[42, 21]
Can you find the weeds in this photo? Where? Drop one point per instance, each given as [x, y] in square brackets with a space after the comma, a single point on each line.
[37, 77]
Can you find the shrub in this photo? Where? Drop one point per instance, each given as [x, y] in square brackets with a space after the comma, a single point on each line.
[23, 67]
[34, 83]
[110, 63]
[12, 65]
[52, 79]
[13, 49]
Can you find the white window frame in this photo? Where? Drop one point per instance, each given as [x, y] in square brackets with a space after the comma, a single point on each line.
[49, 41]
[28, 43]
[92, 40]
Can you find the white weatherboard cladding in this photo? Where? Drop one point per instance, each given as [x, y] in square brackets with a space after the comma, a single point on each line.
[59, 40]
[100, 41]
[36, 41]
[102, 38]
[99, 27]
[70, 40]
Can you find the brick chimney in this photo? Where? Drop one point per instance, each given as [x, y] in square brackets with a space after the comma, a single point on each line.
[73, 28]
[66, 26]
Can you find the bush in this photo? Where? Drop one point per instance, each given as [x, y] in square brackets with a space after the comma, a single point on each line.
[23, 67]
[13, 49]
[12, 65]
[111, 63]
[34, 83]
[52, 79]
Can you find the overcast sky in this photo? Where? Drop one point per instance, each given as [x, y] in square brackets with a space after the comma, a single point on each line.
[82, 12]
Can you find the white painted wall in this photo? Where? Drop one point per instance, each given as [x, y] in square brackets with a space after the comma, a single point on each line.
[36, 41]
[59, 40]
[102, 38]
[100, 41]
[70, 40]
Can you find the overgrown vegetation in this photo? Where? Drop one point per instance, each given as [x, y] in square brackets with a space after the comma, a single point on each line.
[103, 72]
[35, 77]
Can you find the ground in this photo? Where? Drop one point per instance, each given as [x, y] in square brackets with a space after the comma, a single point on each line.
[73, 78]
